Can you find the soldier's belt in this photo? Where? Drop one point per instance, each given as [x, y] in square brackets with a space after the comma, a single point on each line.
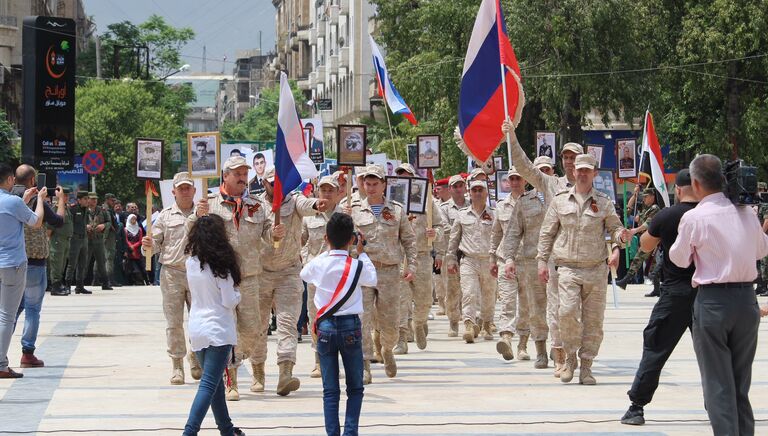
[378, 264]
[580, 264]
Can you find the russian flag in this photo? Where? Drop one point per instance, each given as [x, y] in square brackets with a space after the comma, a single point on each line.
[481, 97]
[292, 164]
[651, 162]
[387, 89]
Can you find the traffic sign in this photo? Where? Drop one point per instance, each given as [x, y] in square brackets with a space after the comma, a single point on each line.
[93, 162]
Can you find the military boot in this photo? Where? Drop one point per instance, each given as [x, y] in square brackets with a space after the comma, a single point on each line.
[230, 385]
[571, 363]
[421, 335]
[287, 383]
[402, 345]
[366, 372]
[411, 336]
[390, 366]
[487, 331]
[504, 346]
[258, 377]
[316, 370]
[440, 306]
[585, 373]
[469, 331]
[194, 366]
[177, 376]
[624, 281]
[558, 356]
[453, 329]
[541, 355]
[376, 347]
[522, 348]
[476, 328]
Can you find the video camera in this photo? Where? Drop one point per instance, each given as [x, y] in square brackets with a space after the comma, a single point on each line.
[741, 183]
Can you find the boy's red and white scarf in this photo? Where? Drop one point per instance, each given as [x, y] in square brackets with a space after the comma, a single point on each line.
[347, 284]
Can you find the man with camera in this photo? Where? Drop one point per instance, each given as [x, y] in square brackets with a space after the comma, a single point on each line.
[723, 241]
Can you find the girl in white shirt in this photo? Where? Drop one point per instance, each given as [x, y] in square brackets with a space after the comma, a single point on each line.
[213, 272]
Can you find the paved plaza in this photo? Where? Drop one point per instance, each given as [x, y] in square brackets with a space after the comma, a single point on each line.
[107, 371]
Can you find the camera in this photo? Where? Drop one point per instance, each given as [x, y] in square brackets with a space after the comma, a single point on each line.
[741, 183]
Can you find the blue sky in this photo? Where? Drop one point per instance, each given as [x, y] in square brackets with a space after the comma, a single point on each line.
[223, 26]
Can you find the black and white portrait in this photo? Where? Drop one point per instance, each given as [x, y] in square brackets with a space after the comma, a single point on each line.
[417, 200]
[203, 154]
[149, 159]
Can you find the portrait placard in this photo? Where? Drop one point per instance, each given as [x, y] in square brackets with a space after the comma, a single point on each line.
[203, 150]
[502, 185]
[417, 200]
[429, 151]
[596, 151]
[626, 158]
[398, 189]
[546, 145]
[604, 183]
[351, 143]
[149, 158]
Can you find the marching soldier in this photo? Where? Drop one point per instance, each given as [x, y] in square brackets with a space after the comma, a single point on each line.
[442, 196]
[247, 226]
[281, 285]
[313, 240]
[110, 237]
[168, 239]
[548, 184]
[514, 301]
[650, 209]
[471, 235]
[99, 223]
[78, 246]
[573, 235]
[60, 240]
[386, 229]
[524, 226]
[419, 291]
[450, 209]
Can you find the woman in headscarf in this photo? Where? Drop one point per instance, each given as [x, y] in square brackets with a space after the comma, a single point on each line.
[133, 263]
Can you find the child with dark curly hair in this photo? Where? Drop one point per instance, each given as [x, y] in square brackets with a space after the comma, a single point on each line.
[213, 272]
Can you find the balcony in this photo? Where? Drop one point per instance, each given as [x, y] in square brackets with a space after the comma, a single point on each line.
[344, 57]
[321, 25]
[344, 8]
[334, 14]
[304, 84]
[313, 35]
[303, 32]
[333, 65]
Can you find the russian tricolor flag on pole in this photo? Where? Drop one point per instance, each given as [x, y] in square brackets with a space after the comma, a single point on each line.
[292, 164]
[490, 83]
[387, 89]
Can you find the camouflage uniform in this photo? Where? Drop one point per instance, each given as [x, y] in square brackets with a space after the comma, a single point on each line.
[96, 248]
[419, 291]
[60, 238]
[524, 228]
[386, 235]
[452, 281]
[573, 235]
[645, 217]
[439, 281]
[471, 234]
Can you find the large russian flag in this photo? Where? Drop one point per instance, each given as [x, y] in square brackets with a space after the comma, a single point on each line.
[651, 161]
[481, 97]
[387, 89]
[292, 164]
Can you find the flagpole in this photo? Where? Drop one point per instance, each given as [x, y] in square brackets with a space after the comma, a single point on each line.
[506, 115]
[389, 123]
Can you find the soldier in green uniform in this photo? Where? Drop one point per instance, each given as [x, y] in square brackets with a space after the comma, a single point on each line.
[649, 210]
[59, 243]
[78, 244]
[99, 223]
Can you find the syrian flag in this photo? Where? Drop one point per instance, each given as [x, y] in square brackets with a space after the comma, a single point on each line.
[651, 162]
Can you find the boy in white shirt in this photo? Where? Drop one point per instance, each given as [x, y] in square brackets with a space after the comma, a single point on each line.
[338, 297]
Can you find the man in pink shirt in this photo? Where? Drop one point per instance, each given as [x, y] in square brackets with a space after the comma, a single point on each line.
[724, 241]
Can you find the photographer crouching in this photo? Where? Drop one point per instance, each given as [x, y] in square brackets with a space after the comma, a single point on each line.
[724, 242]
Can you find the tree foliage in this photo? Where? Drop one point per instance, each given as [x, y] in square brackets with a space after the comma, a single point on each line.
[9, 151]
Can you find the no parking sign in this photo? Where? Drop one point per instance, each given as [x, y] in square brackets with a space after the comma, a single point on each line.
[93, 162]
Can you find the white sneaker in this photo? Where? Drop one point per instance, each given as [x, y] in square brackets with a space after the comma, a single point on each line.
[430, 316]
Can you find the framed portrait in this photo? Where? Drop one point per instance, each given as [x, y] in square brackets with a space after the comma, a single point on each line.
[429, 151]
[351, 143]
[203, 154]
[398, 189]
[417, 199]
[596, 151]
[546, 145]
[488, 167]
[149, 158]
[392, 164]
[502, 185]
[626, 158]
[604, 183]
[313, 139]
[259, 161]
[498, 162]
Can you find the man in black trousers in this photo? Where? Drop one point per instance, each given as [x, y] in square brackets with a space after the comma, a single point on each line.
[724, 241]
[671, 315]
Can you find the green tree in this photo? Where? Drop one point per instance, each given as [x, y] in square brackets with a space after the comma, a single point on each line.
[9, 151]
[260, 122]
[109, 116]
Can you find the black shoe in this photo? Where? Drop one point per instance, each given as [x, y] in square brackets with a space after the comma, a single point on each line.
[634, 416]
[82, 290]
[60, 291]
[622, 282]
[300, 339]
[653, 293]
[238, 432]
[107, 288]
